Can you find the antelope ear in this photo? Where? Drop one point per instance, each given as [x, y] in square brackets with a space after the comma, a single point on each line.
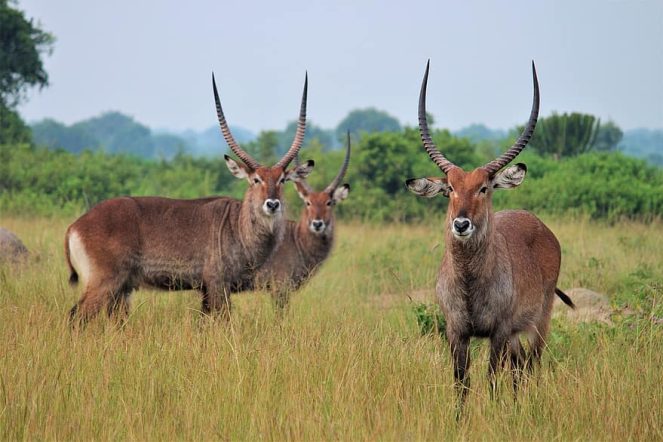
[510, 177]
[239, 170]
[300, 172]
[341, 193]
[428, 187]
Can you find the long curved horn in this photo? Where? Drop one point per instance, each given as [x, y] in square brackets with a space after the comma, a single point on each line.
[341, 173]
[434, 154]
[299, 134]
[524, 138]
[225, 130]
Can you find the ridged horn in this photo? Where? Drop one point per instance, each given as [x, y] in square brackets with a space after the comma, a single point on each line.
[227, 135]
[432, 150]
[341, 173]
[299, 134]
[524, 138]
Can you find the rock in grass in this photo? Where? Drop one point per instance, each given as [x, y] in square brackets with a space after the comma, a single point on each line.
[12, 249]
[590, 306]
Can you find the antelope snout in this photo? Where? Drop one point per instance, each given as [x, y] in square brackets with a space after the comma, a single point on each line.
[271, 206]
[462, 227]
[317, 226]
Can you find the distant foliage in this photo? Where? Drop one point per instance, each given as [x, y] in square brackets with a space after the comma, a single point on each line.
[480, 132]
[644, 143]
[566, 134]
[608, 137]
[381, 164]
[607, 186]
[112, 132]
[313, 132]
[41, 181]
[265, 148]
[601, 185]
[366, 121]
[55, 135]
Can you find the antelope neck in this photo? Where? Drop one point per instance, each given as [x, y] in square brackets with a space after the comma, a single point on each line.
[471, 258]
[258, 234]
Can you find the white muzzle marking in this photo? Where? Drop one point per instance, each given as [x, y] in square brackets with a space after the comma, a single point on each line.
[462, 228]
[317, 226]
[271, 207]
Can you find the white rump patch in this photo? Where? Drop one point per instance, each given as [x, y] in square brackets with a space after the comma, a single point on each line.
[80, 260]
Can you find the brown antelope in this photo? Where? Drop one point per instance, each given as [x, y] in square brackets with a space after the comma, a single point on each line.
[498, 277]
[213, 245]
[307, 243]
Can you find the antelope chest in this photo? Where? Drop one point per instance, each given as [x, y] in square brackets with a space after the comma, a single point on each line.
[474, 307]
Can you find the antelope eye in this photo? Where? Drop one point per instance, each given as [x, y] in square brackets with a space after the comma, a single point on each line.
[308, 203]
[256, 180]
[282, 180]
[484, 189]
[329, 203]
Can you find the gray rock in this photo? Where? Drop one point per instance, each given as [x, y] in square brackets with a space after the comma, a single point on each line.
[12, 248]
[590, 306]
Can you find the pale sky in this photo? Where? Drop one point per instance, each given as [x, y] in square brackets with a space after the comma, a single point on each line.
[153, 60]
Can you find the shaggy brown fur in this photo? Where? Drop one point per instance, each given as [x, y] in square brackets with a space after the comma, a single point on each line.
[499, 273]
[211, 244]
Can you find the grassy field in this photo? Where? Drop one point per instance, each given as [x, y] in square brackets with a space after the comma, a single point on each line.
[348, 362]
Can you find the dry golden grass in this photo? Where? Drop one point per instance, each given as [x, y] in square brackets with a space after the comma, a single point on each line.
[346, 363]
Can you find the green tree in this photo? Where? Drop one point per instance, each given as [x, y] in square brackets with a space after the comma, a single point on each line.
[382, 161]
[313, 132]
[22, 44]
[366, 120]
[12, 128]
[53, 134]
[264, 148]
[566, 134]
[608, 137]
[118, 133]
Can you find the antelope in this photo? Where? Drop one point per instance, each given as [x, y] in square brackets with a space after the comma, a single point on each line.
[213, 245]
[306, 243]
[498, 276]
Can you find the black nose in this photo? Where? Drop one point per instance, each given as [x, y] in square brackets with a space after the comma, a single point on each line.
[461, 226]
[273, 204]
[317, 225]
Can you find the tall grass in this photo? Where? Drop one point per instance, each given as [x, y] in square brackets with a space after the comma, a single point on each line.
[347, 362]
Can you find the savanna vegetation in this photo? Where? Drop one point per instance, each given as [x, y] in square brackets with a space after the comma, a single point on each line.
[359, 355]
[602, 185]
[347, 362]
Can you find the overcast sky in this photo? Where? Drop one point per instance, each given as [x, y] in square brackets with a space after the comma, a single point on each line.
[153, 60]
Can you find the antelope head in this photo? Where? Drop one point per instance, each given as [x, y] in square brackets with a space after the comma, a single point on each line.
[470, 193]
[265, 192]
[318, 214]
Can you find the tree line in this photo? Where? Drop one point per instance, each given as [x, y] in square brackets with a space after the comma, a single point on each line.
[602, 185]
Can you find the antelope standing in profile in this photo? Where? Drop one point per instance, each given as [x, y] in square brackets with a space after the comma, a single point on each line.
[498, 277]
[213, 245]
[307, 243]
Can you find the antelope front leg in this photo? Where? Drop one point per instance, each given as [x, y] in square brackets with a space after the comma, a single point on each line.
[498, 350]
[281, 298]
[460, 352]
[216, 300]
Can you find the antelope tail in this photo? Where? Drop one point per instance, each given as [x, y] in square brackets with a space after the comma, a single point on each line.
[73, 275]
[565, 298]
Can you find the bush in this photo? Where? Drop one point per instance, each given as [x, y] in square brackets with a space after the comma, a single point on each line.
[607, 186]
